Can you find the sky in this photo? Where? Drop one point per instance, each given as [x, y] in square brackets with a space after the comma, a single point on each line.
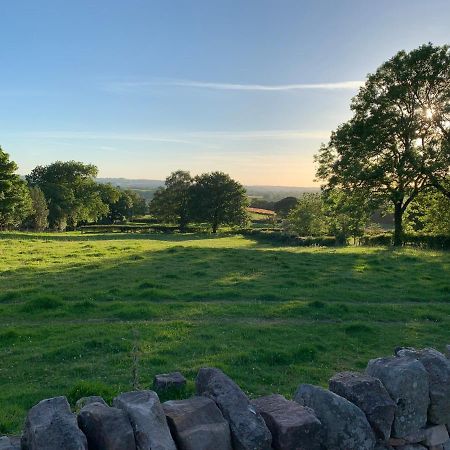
[144, 87]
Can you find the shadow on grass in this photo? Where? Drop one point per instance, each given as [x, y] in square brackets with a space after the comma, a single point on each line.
[225, 288]
[255, 273]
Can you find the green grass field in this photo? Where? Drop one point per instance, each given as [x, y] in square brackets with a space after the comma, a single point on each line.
[73, 306]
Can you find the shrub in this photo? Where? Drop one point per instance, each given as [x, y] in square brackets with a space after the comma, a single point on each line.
[277, 237]
[421, 240]
[376, 239]
[433, 241]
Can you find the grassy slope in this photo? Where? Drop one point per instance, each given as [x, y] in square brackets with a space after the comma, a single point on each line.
[271, 317]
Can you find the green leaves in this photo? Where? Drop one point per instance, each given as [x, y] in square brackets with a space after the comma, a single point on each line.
[397, 143]
[15, 202]
[171, 203]
[214, 198]
[218, 199]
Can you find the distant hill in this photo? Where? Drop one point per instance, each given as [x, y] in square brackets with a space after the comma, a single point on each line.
[132, 184]
[271, 193]
[275, 193]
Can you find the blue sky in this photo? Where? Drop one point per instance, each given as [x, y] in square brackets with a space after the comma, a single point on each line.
[142, 87]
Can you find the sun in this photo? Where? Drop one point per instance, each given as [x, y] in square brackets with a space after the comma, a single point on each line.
[428, 113]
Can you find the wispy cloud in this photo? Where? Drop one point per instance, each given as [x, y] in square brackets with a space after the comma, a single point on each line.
[261, 134]
[177, 137]
[105, 136]
[131, 86]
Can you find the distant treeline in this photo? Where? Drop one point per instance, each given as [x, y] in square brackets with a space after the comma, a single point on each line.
[61, 195]
[64, 195]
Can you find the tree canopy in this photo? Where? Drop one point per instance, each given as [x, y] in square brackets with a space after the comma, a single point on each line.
[308, 218]
[397, 143]
[218, 199]
[38, 218]
[123, 204]
[71, 192]
[171, 202]
[15, 202]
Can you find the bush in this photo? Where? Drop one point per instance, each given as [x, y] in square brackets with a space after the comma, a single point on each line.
[127, 228]
[375, 240]
[277, 237]
[433, 241]
[421, 240]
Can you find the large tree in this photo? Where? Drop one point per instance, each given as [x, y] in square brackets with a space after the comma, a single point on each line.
[15, 202]
[171, 202]
[218, 199]
[397, 143]
[72, 194]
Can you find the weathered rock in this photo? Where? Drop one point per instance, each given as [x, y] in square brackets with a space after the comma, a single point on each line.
[83, 401]
[106, 428]
[411, 447]
[369, 395]
[147, 418]
[346, 426]
[293, 427]
[165, 381]
[438, 369]
[197, 424]
[446, 446]
[436, 435]
[396, 442]
[383, 446]
[50, 425]
[7, 443]
[248, 429]
[406, 381]
[416, 437]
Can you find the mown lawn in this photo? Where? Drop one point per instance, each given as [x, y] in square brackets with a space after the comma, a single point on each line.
[72, 307]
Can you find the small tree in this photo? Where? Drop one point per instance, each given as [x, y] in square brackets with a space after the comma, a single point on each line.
[15, 202]
[38, 219]
[121, 209]
[109, 195]
[430, 213]
[308, 217]
[219, 200]
[140, 206]
[171, 202]
[348, 214]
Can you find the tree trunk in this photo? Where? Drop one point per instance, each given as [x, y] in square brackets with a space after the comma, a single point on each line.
[215, 223]
[183, 224]
[398, 225]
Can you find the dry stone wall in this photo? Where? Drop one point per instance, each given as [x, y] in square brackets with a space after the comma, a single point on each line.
[401, 402]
